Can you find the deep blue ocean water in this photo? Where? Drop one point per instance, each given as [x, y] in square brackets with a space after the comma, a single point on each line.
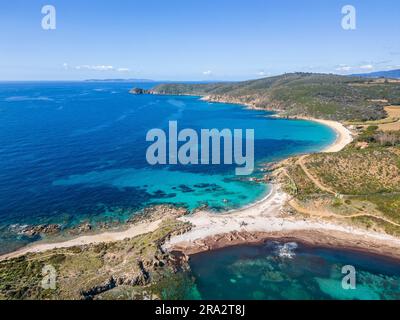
[75, 151]
[290, 271]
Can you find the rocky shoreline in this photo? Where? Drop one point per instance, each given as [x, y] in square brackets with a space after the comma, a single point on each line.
[312, 238]
[132, 265]
[36, 230]
[270, 219]
[84, 234]
[250, 103]
[158, 243]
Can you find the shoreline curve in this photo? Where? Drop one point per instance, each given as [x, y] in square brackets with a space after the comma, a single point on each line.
[273, 202]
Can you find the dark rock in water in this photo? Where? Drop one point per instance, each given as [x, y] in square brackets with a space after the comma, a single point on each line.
[139, 91]
[82, 228]
[185, 188]
[157, 212]
[202, 185]
[161, 194]
[43, 229]
[214, 187]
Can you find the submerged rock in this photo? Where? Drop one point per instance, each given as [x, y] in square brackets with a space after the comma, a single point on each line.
[43, 229]
[157, 212]
[82, 228]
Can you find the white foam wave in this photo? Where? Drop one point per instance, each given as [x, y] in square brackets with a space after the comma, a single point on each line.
[286, 250]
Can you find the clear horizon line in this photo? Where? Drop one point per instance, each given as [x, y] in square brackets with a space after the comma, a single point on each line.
[203, 80]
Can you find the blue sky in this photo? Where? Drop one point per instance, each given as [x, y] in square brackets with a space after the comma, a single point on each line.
[195, 39]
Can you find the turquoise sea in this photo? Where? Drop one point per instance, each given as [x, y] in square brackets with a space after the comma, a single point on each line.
[289, 271]
[75, 151]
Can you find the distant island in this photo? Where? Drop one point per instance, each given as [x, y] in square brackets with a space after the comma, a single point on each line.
[120, 80]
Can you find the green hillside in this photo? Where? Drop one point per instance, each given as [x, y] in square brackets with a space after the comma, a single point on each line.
[302, 94]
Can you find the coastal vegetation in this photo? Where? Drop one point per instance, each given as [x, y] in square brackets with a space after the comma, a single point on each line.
[359, 185]
[128, 269]
[391, 123]
[358, 171]
[324, 96]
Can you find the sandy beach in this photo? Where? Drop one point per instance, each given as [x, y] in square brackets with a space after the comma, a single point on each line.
[265, 220]
[259, 221]
[105, 237]
[343, 135]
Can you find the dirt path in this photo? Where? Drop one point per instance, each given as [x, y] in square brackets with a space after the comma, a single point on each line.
[301, 163]
[327, 214]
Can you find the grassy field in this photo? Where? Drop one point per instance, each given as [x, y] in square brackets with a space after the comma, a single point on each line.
[388, 124]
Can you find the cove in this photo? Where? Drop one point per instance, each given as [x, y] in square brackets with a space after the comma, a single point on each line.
[268, 272]
[76, 151]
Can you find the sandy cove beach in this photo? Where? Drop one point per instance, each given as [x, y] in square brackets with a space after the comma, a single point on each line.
[265, 220]
[343, 135]
[254, 223]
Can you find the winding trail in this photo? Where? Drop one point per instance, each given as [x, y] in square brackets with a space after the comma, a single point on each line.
[320, 213]
[343, 139]
[327, 214]
[301, 163]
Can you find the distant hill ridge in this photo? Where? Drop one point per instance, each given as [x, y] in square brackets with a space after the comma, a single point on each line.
[324, 96]
[391, 74]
